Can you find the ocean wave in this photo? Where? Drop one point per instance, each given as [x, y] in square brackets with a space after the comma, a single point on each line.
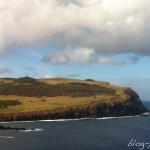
[77, 119]
[32, 130]
[80, 119]
[121, 117]
[7, 137]
[18, 122]
[61, 120]
[54, 120]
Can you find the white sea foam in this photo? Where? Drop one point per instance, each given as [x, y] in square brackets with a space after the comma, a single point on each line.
[61, 120]
[103, 118]
[121, 117]
[7, 137]
[18, 122]
[32, 130]
[54, 120]
[78, 119]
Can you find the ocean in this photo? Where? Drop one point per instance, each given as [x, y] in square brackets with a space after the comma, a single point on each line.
[122, 133]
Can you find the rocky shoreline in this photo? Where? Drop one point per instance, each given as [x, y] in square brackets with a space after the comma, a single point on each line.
[11, 128]
[132, 106]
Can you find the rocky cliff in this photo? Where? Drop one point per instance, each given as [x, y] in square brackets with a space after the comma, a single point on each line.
[131, 106]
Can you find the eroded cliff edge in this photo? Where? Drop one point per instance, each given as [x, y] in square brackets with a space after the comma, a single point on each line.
[131, 106]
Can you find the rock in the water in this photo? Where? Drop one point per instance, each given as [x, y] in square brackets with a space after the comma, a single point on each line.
[11, 128]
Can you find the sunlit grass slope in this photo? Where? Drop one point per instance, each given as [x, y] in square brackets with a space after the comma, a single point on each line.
[54, 93]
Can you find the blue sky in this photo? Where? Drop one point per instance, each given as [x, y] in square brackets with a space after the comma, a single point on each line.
[98, 39]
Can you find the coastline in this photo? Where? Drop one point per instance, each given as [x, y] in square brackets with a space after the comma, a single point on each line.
[95, 110]
[122, 102]
[79, 119]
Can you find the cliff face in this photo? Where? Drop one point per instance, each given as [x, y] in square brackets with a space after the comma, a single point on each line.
[132, 106]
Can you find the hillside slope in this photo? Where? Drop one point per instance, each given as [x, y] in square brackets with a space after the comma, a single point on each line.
[59, 98]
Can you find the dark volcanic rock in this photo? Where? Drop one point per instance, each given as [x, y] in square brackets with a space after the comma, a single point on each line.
[11, 128]
[131, 106]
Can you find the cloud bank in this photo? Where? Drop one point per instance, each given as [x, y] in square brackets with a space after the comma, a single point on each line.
[107, 27]
[71, 56]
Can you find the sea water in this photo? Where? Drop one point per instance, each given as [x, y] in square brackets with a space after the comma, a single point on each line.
[122, 133]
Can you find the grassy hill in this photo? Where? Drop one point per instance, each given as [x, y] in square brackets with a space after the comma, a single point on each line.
[28, 94]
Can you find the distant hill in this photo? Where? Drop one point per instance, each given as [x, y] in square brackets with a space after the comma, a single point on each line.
[27, 98]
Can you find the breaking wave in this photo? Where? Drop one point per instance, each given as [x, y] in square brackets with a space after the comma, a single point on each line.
[7, 137]
[32, 130]
[78, 119]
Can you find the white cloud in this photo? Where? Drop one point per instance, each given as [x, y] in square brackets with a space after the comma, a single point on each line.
[107, 26]
[111, 61]
[87, 56]
[130, 19]
[105, 60]
[79, 55]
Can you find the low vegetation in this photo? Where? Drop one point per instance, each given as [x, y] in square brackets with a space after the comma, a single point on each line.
[6, 103]
[25, 80]
[28, 94]
[30, 87]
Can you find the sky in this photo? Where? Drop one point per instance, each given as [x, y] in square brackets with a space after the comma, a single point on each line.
[97, 39]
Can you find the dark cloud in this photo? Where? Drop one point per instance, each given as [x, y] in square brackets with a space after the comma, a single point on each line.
[56, 59]
[133, 59]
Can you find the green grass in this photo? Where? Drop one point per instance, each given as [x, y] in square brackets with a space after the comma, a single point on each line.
[5, 103]
[42, 102]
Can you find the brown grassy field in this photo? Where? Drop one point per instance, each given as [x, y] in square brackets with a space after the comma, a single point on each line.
[29, 104]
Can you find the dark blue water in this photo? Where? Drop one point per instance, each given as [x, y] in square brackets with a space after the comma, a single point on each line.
[106, 134]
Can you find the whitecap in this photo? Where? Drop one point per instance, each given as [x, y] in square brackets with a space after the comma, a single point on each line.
[61, 120]
[7, 137]
[120, 117]
[32, 130]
